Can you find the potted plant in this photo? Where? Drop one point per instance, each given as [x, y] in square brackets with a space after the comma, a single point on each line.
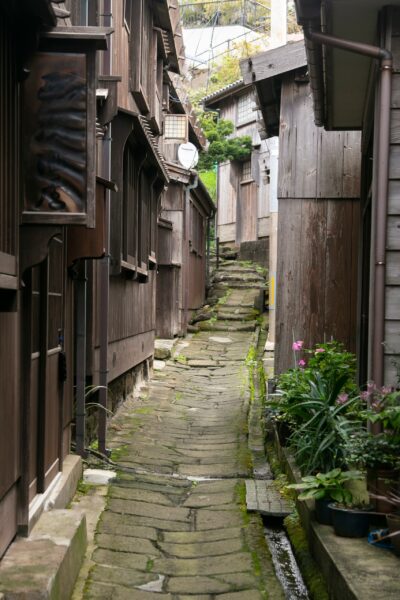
[350, 519]
[392, 518]
[325, 487]
[379, 454]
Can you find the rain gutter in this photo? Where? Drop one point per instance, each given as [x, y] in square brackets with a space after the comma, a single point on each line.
[314, 40]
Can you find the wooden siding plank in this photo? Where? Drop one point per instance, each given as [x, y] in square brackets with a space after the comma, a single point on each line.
[330, 164]
[288, 282]
[393, 233]
[392, 303]
[392, 337]
[393, 268]
[394, 164]
[395, 103]
[341, 274]
[394, 197]
[352, 165]
[246, 218]
[287, 139]
[309, 322]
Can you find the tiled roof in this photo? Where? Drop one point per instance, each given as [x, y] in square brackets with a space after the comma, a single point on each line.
[239, 83]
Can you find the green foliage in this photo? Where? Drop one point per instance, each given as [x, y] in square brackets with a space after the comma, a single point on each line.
[209, 178]
[320, 404]
[327, 485]
[221, 146]
[322, 428]
[368, 450]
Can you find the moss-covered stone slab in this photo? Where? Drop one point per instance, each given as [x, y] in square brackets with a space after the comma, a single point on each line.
[262, 496]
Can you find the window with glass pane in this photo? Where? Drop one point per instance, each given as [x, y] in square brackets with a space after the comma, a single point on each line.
[176, 127]
[246, 171]
[245, 108]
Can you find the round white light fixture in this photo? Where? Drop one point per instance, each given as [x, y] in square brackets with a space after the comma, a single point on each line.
[188, 155]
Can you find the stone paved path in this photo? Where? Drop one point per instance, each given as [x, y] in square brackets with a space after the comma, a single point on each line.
[176, 526]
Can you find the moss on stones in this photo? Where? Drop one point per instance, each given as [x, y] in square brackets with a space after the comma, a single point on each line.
[309, 569]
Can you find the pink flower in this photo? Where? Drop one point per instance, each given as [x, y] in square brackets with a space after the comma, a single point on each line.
[385, 390]
[302, 363]
[342, 398]
[296, 346]
[318, 350]
[371, 387]
[365, 396]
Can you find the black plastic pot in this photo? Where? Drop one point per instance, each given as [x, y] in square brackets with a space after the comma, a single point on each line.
[323, 513]
[349, 522]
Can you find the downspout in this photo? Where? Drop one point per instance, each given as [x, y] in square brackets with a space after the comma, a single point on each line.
[104, 267]
[383, 129]
[188, 188]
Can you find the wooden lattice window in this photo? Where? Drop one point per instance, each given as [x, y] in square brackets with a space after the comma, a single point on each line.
[176, 128]
[246, 171]
[245, 108]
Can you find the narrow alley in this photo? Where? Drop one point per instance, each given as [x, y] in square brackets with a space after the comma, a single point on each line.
[176, 525]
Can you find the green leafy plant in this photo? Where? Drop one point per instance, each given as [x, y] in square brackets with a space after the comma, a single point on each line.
[318, 441]
[327, 485]
[369, 450]
[221, 147]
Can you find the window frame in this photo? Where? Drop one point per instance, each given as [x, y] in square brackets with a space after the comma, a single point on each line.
[249, 114]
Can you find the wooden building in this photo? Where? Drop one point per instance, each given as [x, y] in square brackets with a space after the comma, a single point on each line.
[243, 186]
[84, 102]
[318, 219]
[186, 211]
[333, 32]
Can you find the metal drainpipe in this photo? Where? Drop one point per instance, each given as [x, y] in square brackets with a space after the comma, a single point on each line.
[188, 188]
[383, 131]
[104, 270]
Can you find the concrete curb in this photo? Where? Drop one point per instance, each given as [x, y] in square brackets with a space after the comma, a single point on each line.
[352, 568]
[45, 565]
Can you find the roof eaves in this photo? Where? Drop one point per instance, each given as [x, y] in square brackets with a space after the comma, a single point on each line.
[223, 92]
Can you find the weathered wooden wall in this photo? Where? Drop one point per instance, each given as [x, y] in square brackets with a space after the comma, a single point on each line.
[392, 311]
[227, 197]
[319, 178]
[243, 209]
[10, 422]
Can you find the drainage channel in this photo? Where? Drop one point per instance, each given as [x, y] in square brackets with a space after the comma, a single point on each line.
[263, 497]
[284, 561]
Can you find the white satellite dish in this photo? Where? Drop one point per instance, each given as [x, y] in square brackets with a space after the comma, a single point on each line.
[188, 155]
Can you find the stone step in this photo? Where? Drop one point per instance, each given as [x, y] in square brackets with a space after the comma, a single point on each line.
[224, 326]
[47, 563]
[228, 316]
[232, 278]
[238, 270]
[239, 285]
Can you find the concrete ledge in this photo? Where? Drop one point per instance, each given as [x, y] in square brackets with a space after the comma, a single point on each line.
[60, 492]
[66, 486]
[45, 565]
[352, 568]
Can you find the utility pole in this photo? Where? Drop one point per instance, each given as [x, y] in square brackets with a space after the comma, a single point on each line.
[278, 38]
[278, 23]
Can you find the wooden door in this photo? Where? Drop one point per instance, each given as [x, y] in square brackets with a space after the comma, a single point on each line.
[47, 370]
[246, 212]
